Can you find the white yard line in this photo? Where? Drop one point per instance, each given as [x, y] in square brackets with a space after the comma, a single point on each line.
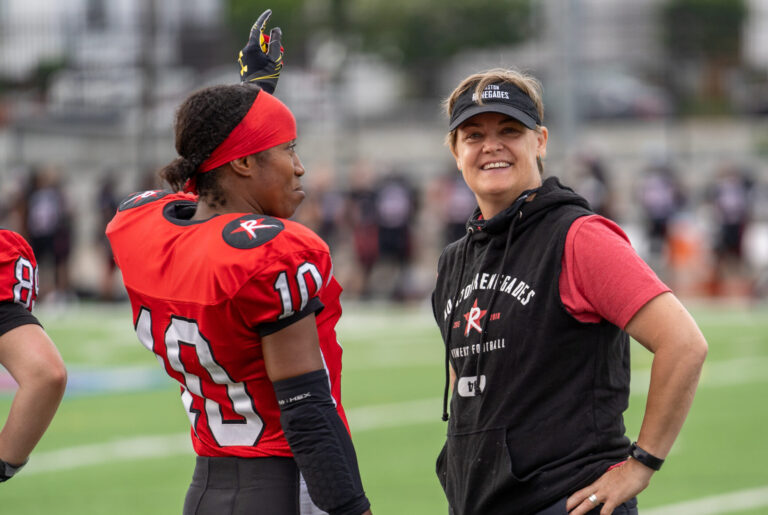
[717, 504]
[160, 446]
[716, 374]
[360, 419]
[366, 418]
[395, 414]
[124, 449]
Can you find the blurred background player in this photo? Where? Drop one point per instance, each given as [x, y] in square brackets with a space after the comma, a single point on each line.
[27, 353]
[47, 223]
[732, 196]
[536, 304]
[240, 304]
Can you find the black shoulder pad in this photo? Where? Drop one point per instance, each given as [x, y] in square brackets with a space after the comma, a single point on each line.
[251, 231]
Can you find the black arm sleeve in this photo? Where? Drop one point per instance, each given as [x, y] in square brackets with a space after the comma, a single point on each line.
[13, 315]
[320, 444]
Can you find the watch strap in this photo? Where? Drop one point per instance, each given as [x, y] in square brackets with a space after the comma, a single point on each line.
[8, 470]
[645, 457]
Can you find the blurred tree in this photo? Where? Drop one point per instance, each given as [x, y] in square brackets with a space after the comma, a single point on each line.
[420, 35]
[704, 34]
[44, 72]
[417, 35]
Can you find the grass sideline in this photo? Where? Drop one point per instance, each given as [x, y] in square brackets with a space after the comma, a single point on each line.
[118, 445]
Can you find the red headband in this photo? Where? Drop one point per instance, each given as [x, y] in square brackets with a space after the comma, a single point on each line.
[267, 124]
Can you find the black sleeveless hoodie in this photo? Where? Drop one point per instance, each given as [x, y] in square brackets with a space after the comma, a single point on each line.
[546, 416]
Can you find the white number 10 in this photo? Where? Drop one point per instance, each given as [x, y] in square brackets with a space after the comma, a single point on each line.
[284, 289]
[244, 431]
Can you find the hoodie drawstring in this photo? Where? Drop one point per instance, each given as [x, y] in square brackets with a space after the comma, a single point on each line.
[478, 389]
[518, 214]
[516, 208]
[449, 329]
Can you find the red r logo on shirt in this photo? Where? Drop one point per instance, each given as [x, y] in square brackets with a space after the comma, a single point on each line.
[472, 317]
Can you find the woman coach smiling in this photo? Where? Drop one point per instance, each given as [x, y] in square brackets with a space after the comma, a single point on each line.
[536, 304]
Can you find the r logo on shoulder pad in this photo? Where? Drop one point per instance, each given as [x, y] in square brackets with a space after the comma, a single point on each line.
[251, 231]
[141, 198]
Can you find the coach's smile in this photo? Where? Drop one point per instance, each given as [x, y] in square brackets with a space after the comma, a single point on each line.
[498, 157]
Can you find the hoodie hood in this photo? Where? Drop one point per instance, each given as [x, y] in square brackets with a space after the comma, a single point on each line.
[547, 196]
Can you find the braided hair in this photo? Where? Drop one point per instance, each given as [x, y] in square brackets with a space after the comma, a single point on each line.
[203, 122]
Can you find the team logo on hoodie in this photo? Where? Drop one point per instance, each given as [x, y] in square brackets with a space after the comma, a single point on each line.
[473, 318]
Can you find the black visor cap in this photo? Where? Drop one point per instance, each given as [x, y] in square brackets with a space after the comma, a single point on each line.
[502, 97]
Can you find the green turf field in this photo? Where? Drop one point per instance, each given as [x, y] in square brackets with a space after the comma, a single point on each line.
[119, 443]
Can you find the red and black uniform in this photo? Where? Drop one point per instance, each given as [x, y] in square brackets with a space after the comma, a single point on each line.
[531, 305]
[204, 294]
[18, 282]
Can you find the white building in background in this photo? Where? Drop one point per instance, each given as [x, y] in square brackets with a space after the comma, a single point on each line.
[756, 34]
[95, 33]
[628, 31]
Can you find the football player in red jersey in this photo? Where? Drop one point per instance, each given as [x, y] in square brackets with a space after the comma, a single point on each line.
[27, 353]
[239, 305]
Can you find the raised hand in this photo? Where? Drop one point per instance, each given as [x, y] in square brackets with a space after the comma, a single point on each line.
[261, 60]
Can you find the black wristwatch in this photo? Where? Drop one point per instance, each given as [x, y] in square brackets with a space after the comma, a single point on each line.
[644, 457]
[7, 471]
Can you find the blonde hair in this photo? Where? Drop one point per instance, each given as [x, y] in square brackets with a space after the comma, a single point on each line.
[529, 84]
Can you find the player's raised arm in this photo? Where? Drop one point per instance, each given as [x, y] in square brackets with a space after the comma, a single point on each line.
[261, 60]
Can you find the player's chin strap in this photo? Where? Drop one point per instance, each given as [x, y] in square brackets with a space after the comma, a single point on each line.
[321, 444]
[7, 470]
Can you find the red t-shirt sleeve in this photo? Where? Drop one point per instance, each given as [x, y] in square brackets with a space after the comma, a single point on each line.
[602, 276]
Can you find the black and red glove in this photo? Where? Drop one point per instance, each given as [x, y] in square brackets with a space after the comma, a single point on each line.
[262, 57]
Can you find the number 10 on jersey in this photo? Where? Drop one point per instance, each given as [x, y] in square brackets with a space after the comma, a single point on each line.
[246, 429]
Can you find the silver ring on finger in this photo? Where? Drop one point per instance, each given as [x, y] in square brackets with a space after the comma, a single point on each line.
[593, 499]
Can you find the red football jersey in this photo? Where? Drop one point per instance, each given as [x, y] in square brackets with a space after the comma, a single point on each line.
[204, 293]
[18, 270]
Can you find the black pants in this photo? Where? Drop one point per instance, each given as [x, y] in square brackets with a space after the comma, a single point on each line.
[628, 508]
[252, 486]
